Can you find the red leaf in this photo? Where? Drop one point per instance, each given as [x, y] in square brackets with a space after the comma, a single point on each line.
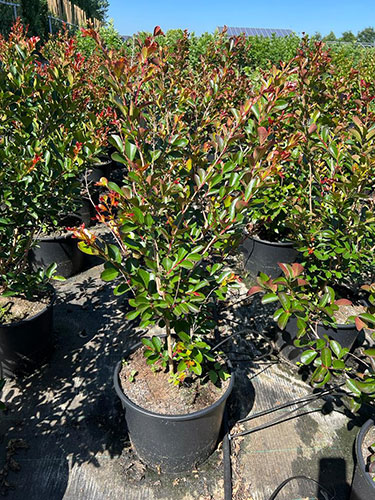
[254, 289]
[158, 31]
[298, 269]
[263, 134]
[302, 282]
[343, 302]
[359, 324]
[284, 269]
[312, 128]
[358, 122]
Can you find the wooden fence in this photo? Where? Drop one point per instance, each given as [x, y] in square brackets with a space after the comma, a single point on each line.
[65, 10]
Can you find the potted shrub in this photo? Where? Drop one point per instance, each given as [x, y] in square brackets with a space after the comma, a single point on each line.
[47, 138]
[317, 337]
[41, 153]
[318, 192]
[192, 172]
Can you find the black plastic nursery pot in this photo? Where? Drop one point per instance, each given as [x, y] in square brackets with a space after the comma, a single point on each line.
[173, 443]
[363, 487]
[346, 335]
[25, 344]
[263, 256]
[99, 170]
[60, 249]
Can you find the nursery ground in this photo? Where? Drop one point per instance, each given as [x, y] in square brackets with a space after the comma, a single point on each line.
[64, 425]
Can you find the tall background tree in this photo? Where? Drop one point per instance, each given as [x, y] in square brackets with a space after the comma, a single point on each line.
[331, 37]
[348, 36]
[366, 36]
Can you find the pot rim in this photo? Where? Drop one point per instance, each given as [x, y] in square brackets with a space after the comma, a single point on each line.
[271, 243]
[56, 239]
[182, 417]
[358, 450]
[341, 326]
[32, 318]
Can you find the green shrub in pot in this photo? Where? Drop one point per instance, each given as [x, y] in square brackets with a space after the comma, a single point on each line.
[194, 164]
[44, 147]
[297, 299]
[176, 216]
[328, 118]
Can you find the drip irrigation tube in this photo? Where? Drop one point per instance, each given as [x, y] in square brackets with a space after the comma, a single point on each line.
[301, 402]
[325, 492]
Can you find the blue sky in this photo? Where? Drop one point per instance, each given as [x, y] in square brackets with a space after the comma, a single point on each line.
[204, 15]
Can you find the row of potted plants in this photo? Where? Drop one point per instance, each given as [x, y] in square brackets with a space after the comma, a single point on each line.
[207, 157]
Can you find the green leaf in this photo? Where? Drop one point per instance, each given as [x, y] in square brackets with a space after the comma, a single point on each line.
[132, 315]
[119, 158]
[157, 343]
[138, 214]
[367, 387]
[109, 274]
[114, 253]
[184, 337]
[114, 187]
[51, 269]
[187, 264]
[284, 300]
[319, 374]
[308, 356]
[120, 289]
[181, 366]
[338, 364]
[280, 105]
[283, 320]
[250, 189]
[368, 317]
[370, 352]
[193, 307]
[350, 384]
[197, 369]
[130, 150]
[57, 277]
[213, 376]
[145, 276]
[87, 249]
[269, 297]
[326, 356]
[301, 325]
[116, 141]
[148, 343]
[335, 346]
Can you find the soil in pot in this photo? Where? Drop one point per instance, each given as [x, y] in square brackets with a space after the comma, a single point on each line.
[153, 391]
[14, 309]
[25, 333]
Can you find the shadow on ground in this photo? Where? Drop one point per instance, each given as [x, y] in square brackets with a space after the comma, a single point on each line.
[67, 412]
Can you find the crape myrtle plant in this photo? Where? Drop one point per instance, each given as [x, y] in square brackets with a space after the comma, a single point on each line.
[298, 300]
[44, 147]
[324, 112]
[330, 217]
[193, 167]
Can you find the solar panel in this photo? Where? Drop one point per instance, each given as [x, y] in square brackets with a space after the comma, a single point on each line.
[263, 32]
